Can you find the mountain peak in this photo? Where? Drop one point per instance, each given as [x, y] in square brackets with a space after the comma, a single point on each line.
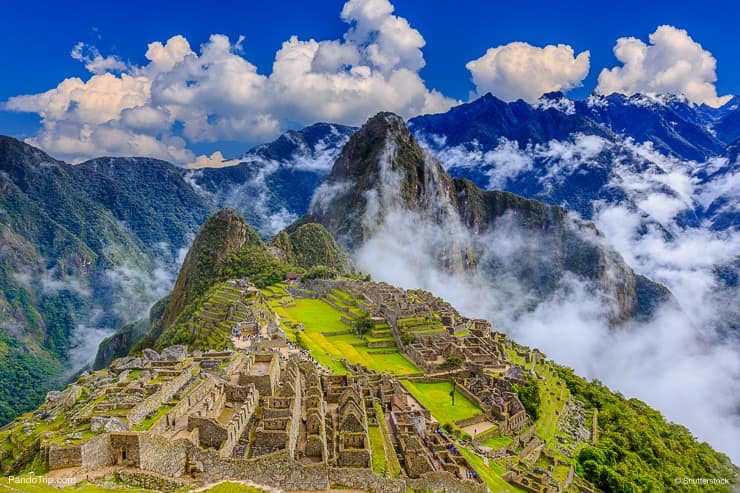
[16, 153]
[381, 167]
[307, 141]
[222, 235]
[553, 95]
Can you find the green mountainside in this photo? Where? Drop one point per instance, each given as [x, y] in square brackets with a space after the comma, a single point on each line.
[310, 246]
[226, 247]
[78, 244]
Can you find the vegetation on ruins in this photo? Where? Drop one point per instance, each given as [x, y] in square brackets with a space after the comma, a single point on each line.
[452, 362]
[529, 395]
[637, 449]
[362, 325]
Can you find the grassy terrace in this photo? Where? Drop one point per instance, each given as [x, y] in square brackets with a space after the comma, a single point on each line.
[491, 474]
[149, 422]
[553, 394]
[497, 442]
[320, 320]
[394, 467]
[436, 398]
[380, 464]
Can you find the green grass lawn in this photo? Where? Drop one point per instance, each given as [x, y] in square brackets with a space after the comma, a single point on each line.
[436, 398]
[494, 481]
[377, 447]
[394, 466]
[496, 442]
[317, 316]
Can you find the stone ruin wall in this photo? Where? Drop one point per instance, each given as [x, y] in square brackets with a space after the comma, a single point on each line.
[237, 423]
[97, 452]
[364, 479]
[172, 458]
[150, 481]
[210, 433]
[186, 403]
[267, 383]
[63, 457]
[474, 398]
[277, 470]
[128, 442]
[151, 404]
[445, 482]
[237, 363]
[163, 456]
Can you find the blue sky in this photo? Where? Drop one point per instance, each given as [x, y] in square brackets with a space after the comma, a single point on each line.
[41, 39]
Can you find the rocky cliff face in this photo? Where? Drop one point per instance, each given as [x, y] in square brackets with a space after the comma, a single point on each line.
[383, 182]
[382, 171]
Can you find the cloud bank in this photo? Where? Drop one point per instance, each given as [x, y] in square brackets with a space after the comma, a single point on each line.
[671, 63]
[215, 93]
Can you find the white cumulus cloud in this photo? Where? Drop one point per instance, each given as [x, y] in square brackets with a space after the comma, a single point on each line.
[94, 61]
[215, 160]
[672, 63]
[521, 71]
[181, 95]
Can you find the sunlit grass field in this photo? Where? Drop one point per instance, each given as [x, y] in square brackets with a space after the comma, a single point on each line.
[436, 398]
[319, 318]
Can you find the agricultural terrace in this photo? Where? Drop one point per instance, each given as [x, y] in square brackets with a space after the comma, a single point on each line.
[497, 442]
[436, 398]
[490, 473]
[318, 326]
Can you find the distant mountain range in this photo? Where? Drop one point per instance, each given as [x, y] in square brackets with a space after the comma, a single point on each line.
[605, 149]
[273, 183]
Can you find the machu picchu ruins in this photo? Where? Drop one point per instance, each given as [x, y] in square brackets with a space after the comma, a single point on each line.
[292, 396]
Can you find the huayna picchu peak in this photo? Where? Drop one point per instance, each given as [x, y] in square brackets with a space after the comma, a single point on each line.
[383, 181]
